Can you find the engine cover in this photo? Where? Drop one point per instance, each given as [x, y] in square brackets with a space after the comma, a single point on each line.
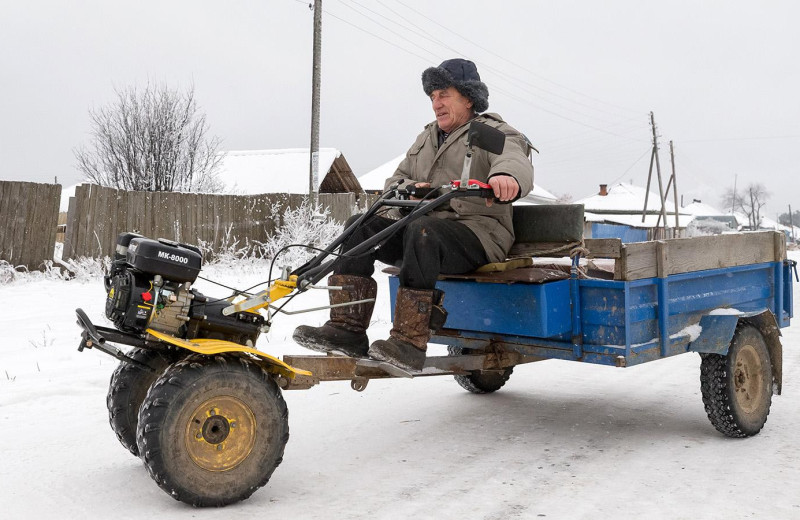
[173, 261]
[126, 306]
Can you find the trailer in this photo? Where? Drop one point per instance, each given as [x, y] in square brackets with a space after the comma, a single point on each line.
[724, 297]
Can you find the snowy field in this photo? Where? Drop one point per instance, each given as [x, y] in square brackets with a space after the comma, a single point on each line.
[561, 440]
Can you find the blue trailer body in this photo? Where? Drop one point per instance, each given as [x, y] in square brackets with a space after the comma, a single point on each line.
[620, 323]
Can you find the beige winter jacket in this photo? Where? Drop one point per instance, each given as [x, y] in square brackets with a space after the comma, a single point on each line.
[426, 162]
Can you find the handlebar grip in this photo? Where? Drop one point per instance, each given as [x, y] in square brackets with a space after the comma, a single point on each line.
[419, 191]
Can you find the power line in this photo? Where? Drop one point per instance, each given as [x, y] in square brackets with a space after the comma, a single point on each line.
[374, 35]
[513, 63]
[502, 74]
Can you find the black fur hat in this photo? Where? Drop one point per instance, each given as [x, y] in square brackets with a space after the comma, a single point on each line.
[461, 74]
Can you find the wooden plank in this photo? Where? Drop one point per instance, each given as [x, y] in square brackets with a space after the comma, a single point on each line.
[639, 261]
[31, 231]
[71, 233]
[700, 253]
[683, 255]
[216, 207]
[110, 231]
[661, 259]
[53, 207]
[603, 247]
[780, 246]
[100, 218]
[83, 194]
[122, 214]
[5, 229]
[20, 201]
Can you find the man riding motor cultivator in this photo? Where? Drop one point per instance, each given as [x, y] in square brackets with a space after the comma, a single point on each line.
[203, 407]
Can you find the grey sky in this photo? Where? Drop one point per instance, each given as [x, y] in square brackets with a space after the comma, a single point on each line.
[579, 78]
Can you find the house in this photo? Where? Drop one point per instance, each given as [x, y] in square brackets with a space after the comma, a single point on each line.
[707, 220]
[373, 181]
[617, 212]
[251, 172]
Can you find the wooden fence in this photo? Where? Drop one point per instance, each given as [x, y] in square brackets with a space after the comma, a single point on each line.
[28, 220]
[97, 215]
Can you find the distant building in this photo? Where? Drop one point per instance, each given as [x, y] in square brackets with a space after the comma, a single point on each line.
[252, 172]
[618, 212]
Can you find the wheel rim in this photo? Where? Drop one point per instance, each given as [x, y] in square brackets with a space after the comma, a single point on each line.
[748, 379]
[220, 433]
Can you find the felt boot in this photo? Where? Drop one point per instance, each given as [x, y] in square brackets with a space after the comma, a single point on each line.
[346, 330]
[408, 339]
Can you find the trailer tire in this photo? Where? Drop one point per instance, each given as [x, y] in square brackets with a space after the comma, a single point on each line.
[212, 429]
[480, 381]
[737, 387]
[128, 388]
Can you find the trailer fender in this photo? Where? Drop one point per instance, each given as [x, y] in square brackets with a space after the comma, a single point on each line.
[718, 330]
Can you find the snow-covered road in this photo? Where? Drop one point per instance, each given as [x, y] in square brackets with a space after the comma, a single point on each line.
[561, 440]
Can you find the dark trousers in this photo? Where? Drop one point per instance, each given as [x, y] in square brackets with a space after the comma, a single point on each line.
[425, 248]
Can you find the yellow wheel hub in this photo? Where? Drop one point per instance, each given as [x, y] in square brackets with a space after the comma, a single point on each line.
[220, 433]
[748, 380]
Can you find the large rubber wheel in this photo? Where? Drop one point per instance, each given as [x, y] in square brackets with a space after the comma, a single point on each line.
[128, 388]
[480, 381]
[737, 388]
[213, 429]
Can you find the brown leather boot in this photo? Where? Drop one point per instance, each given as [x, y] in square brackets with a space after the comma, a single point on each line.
[408, 339]
[346, 331]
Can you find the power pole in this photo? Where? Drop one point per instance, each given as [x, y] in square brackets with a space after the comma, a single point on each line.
[313, 174]
[654, 157]
[791, 221]
[672, 182]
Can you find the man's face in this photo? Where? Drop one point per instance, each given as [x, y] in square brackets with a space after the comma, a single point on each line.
[451, 108]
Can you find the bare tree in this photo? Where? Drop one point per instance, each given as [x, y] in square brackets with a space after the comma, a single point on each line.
[151, 140]
[749, 202]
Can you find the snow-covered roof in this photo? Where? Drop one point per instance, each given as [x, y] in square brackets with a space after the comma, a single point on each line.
[252, 172]
[375, 179]
[701, 209]
[624, 198]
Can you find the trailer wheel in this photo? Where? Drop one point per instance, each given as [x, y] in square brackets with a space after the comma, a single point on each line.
[737, 388]
[128, 388]
[213, 429]
[480, 381]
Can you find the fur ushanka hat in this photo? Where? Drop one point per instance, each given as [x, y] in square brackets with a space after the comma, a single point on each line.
[461, 74]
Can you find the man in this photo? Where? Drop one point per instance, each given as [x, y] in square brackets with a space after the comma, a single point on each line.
[454, 239]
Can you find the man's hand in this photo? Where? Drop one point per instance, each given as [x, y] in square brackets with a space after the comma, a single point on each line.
[505, 188]
[421, 185]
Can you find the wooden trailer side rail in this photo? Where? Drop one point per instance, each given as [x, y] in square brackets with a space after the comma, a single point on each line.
[657, 259]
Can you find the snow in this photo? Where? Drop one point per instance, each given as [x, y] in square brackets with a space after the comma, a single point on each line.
[701, 209]
[624, 197]
[252, 172]
[66, 194]
[375, 179]
[693, 331]
[725, 312]
[562, 440]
